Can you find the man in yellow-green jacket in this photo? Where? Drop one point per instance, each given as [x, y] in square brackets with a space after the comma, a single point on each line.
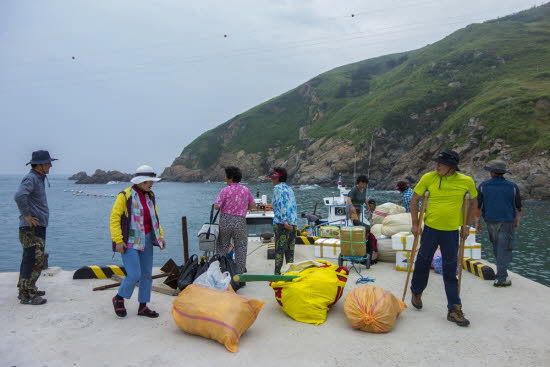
[443, 219]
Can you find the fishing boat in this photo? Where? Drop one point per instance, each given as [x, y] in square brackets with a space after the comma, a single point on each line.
[338, 208]
[260, 219]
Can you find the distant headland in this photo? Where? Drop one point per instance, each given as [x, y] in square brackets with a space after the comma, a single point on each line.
[100, 177]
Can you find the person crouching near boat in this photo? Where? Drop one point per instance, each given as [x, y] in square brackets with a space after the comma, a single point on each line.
[285, 218]
[33, 221]
[371, 207]
[234, 201]
[443, 218]
[135, 229]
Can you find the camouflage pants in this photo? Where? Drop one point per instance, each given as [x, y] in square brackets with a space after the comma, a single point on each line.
[33, 241]
[285, 239]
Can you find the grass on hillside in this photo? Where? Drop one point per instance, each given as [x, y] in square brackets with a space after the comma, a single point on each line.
[495, 71]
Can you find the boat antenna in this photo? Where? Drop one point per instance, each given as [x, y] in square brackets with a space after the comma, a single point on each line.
[368, 168]
[354, 167]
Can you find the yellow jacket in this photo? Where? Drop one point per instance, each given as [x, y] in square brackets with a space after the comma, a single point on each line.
[120, 222]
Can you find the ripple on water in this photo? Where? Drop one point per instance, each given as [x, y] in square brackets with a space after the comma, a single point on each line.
[79, 228]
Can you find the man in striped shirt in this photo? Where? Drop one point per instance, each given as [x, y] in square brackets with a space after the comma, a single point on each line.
[406, 195]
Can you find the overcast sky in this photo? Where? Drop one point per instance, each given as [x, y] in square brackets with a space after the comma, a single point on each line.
[114, 84]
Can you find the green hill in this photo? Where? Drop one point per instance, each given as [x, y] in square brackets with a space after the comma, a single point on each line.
[483, 86]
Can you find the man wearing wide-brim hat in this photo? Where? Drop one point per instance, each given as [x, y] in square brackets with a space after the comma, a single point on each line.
[33, 221]
[443, 218]
[500, 206]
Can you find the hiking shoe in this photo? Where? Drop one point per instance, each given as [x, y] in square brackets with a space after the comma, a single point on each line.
[37, 300]
[457, 316]
[502, 283]
[37, 293]
[416, 300]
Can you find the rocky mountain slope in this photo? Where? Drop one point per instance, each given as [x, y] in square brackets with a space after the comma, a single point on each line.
[483, 91]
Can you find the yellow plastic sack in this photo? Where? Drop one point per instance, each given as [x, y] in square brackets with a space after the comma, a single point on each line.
[309, 297]
[373, 309]
[219, 315]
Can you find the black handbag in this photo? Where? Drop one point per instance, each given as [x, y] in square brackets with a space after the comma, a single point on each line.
[201, 268]
[188, 272]
[228, 264]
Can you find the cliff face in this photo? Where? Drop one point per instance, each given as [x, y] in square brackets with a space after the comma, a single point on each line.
[482, 91]
[392, 159]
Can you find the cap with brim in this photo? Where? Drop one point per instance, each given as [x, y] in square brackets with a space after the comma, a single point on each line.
[41, 157]
[448, 158]
[496, 166]
[273, 175]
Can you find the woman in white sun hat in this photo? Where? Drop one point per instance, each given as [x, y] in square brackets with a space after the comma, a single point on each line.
[135, 229]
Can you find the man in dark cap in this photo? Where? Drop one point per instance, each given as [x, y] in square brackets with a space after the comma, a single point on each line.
[33, 221]
[500, 205]
[442, 221]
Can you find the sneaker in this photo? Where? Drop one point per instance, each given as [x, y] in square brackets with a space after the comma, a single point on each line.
[37, 293]
[457, 316]
[502, 283]
[416, 300]
[37, 300]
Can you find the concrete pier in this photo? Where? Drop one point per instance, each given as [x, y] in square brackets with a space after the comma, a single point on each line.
[77, 327]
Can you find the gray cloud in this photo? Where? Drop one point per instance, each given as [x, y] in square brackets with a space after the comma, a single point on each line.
[149, 77]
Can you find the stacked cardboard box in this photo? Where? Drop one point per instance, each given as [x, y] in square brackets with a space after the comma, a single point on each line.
[352, 241]
[402, 259]
[473, 252]
[327, 248]
[329, 231]
[403, 242]
[471, 240]
[472, 249]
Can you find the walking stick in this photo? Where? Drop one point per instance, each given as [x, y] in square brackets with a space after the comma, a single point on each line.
[263, 278]
[415, 242]
[465, 208]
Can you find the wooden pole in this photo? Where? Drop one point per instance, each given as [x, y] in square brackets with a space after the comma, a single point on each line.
[465, 209]
[185, 239]
[117, 284]
[263, 278]
[415, 242]
[315, 208]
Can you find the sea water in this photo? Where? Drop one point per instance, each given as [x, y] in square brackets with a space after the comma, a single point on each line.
[78, 233]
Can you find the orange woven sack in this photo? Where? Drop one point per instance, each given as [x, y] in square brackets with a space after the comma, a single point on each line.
[373, 309]
[219, 315]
